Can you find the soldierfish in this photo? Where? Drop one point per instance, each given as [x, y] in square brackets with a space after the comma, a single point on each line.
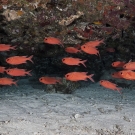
[53, 41]
[94, 43]
[111, 50]
[117, 75]
[73, 61]
[16, 60]
[78, 76]
[72, 50]
[49, 80]
[6, 47]
[90, 50]
[17, 72]
[128, 74]
[118, 64]
[7, 81]
[110, 85]
[129, 66]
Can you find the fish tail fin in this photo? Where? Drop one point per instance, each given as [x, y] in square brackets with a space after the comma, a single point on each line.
[80, 51]
[30, 58]
[98, 54]
[15, 83]
[83, 62]
[119, 90]
[90, 77]
[13, 47]
[102, 41]
[59, 80]
[62, 45]
[28, 73]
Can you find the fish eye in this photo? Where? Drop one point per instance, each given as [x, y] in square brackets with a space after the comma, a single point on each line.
[40, 79]
[67, 75]
[7, 59]
[101, 81]
[63, 59]
[45, 38]
[121, 73]
[7, 70]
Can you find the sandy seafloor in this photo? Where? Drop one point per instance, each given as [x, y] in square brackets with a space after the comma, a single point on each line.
[90, 110]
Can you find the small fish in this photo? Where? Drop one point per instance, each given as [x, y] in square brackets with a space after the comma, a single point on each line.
[94, 43]
[110, 85]
[110, 49]
[129, 66]
[2, 69]
[97, 23]
[53, 41]
[17, 72]
[16, 60]
[90, 50]
[20, 12]
[117, 75]
[73, 61]
[118, 64]
[49, 80]
[78, 76]
[128, 74]
[72, 50]
[7, 81]
[6, 47]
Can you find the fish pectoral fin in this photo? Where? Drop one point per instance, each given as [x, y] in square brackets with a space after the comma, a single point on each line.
[83, 63]
[80, 51]
[90, 77]
[119, 90]
[28, 73]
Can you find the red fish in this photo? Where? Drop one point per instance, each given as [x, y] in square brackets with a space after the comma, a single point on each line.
[7, 81]
[117, 75]
[49, 80]
[16, 60]
[90, 50]
[53, 41]
[6, 47]
[110, 85]
[110, 49]
[94, 43]
[128, 74]
[2, 69]
[73, 61]
[17, 72]
[78, 76]
[118, 64]
[72, 50]
[129, 66]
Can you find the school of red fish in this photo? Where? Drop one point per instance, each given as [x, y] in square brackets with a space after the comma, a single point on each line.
[89, 47]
